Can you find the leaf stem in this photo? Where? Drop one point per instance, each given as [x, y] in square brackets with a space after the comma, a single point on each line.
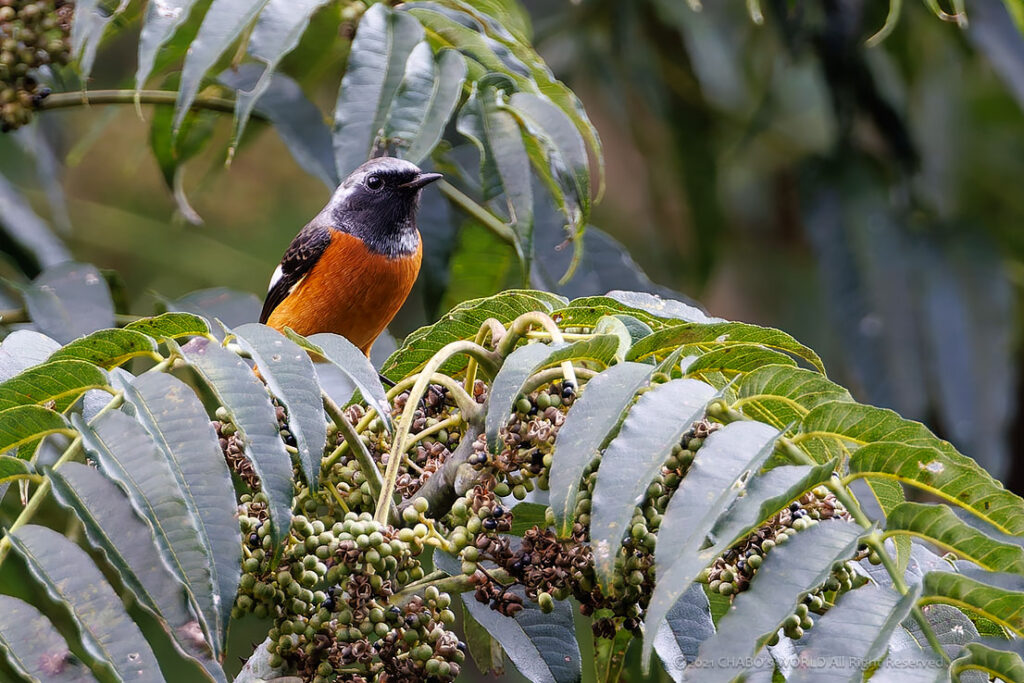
[520, 328]
[66, 100]
[355, 444]
[485, 217]
[490, 329]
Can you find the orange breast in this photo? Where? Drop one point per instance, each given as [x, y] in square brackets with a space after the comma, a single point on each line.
[350, 291]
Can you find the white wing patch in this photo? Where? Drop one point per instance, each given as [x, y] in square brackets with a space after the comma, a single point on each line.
[275, 278]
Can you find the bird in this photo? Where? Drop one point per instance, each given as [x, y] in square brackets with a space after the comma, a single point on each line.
[351, 268]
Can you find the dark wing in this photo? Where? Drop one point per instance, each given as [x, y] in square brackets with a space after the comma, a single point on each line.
[303, 253]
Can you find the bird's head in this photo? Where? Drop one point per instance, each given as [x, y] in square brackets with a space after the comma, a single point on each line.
[377, 202]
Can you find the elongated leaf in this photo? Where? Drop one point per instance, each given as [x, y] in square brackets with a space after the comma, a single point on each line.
[522, 363]
[937, 524]
[486, 652]
[504, 164]
[781, 395]
[127, 455]
[765, 495]
[463, 322]
[108, 348]
[290, 376]
[61, 382]
[384, 40]
[223, 23]
[852, 634]
[69, 577]
[161, 21]
[34, 648]
[297, 121]
[710, 336]
[951, 476]
[353, 363]
[542, 646]
[653, 426]
[586, 311]
[128, 544]
[704, 494]
[27, 231]
[174, 417]
[24, 424]
[788, 572]
[22, 349]
[720, 366]
[231, 307]
[12, 468]
[69, 300]
[687, 625]
[666, 309]
[170, 326]
[1001, 605]
[426, 101]
[1008, 666]
[90, 21]
[590, 420]
[277, 32]
[564, 153]
[247, 402]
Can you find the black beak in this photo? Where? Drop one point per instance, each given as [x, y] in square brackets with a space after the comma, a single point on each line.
[420, 181]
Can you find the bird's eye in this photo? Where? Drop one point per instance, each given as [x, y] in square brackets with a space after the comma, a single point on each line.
[375, 182]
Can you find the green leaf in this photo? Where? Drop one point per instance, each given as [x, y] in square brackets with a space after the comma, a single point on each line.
[852, 634]
[24, 424]
[108, 348]
[451, 28]
[710, 486]
[665, 309]
[353, 363]
[592, 417]
[504, 164]
[127, 543]
[707, 337]
[525, 516]
[277, 32]
[376, 64]
[33, 648]
[1007, 666]
[229, 306]
[564, 163]
[425, 101]
[127, 455]
[295, 119]
[237, 389]
[765, 495]
[70, 578]
[161, 21]
[22, 349]
[610, 656]
[480, 264]
[510, 15]
[522, 363]
[720, 366]
[90, 21]
[222, 25]
[463, 322]
[686, 626]
[175, 418]
[585, 313]
[170, 326]
[1001, 605]
[939, 525]
[949, 475]
[289, 374]
[653, 426]
[61, 382]
[485, 651]
[542, 646]
[789, 572]
[12, 468]
[68, 301]
[27, 232]
[781, 395]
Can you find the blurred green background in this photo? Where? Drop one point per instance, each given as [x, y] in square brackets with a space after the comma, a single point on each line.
[869, 200]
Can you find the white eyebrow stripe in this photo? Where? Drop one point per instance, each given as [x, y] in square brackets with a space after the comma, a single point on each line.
[276, 277]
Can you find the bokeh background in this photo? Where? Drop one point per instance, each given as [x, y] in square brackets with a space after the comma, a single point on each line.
[867, 199]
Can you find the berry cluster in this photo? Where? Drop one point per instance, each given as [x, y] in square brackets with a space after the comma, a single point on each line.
[32, 35]
[332, 596]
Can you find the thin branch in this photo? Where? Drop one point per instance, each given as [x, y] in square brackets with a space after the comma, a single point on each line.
[486, 218]
[65, 100]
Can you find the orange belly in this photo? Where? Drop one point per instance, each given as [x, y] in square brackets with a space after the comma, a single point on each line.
[350, 291]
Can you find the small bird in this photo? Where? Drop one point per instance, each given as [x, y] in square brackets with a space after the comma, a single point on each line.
[352, 267]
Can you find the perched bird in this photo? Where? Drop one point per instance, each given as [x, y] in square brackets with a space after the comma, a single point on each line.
[351, 268]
